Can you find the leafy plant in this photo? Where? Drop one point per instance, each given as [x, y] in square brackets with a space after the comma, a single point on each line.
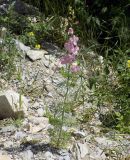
[7, 56]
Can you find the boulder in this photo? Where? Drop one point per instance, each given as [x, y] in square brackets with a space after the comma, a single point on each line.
[36, 54]
[12, 105]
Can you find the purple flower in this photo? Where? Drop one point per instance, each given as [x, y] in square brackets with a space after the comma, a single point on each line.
[70, 31]
[71, 46]
[67, 59]
[76, 49]
[74, 68]
[74, 40]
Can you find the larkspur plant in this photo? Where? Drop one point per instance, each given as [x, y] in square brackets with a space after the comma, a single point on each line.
[70, 70]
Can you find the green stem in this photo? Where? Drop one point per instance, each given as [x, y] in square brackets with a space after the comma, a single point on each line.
[63, 108]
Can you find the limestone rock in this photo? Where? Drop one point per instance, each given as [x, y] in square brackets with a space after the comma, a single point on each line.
[21, 47]
[40, 112]
[36, 54]
[80, 151]
[4, 157]
[49, 156]
[28, 155]
[12, 104]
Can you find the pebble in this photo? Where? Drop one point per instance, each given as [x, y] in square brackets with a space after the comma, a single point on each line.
[8, 144]
[20, 135]
[48, 156]
[28, 155]
[40, 112]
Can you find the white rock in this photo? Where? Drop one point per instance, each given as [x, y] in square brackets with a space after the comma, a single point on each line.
[40, 112]
[35, 105]
[36, 129]
[28, 155]
[21, 47]
[12, 104]
[4, 157]
[105, 142]
[79, 134]
[38, 120]
[19, 135]
[83, 148]
[96, 153]
[8, 144]
[48, 156]
[36, 54]
[80, 151]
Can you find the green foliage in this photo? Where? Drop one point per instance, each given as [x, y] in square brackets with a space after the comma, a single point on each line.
[14, 22]
[59, 142]
[87, 115]
[60, 118]
[112, 89]
[8, 54]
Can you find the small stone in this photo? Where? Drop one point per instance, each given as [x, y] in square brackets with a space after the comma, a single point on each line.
[8, 144]
[80, 150]
[28, 155]
[35, 129]
[105, 142]
[67, 157]
[35, 105]
[79, 134]
[83, 149]
[39, 120]
[36, 54]
[4, 157]
[21, 47]
[40, 112]
[48, 156]
[19, 135]
[5, 129]
[47, 63]
[96, 153]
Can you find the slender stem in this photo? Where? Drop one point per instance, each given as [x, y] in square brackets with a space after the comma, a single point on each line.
[63, 108]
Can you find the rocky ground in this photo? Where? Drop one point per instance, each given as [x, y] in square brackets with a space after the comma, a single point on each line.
[42, 85]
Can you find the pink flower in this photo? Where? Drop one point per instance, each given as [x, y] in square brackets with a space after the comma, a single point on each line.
[74, 40]
[70, 31]
[67, 59]
[74, 68]
[76, 49]
[71, 47]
